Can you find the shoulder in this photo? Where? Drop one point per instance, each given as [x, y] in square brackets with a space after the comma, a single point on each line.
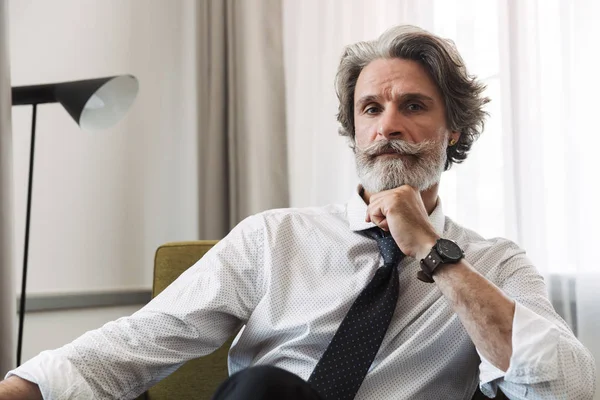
[301, 217]
[304, 212]
[258, 229]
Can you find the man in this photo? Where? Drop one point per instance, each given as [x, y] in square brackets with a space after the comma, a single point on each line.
[310, 289]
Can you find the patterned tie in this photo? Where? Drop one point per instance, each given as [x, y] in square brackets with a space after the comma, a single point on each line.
[346, 361]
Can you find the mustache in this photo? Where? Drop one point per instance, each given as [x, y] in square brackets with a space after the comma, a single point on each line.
[398, 146]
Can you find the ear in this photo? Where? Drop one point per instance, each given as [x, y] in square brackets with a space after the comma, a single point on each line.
[453, 138]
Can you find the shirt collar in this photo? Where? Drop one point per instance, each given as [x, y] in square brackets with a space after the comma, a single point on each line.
[356, 210]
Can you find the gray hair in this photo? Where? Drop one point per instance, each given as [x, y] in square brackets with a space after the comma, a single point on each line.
[462, 93]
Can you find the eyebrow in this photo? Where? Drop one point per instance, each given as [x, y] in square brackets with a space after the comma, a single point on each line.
[400, 99]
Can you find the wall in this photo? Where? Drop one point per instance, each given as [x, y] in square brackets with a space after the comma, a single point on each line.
[62, 327]
[103, 202]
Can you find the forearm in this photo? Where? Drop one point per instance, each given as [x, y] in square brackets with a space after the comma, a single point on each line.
[545, 360]
[484, 310]
[15, 388]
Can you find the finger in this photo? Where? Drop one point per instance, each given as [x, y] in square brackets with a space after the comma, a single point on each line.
[374, 214]
[379, 221]
[372, 211]
[383, 224]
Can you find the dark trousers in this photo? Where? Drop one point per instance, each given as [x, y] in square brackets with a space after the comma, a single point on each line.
[265, 382]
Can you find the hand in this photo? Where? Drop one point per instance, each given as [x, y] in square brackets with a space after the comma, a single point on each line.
[401, 212]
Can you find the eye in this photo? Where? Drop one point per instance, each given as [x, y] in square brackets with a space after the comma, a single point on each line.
[371, 110]
[414, 107]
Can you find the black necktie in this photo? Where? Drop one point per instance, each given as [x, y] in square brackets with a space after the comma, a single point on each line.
[346, 361]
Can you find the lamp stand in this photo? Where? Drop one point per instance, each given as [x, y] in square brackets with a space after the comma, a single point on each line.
[94, 104]
[22, 301]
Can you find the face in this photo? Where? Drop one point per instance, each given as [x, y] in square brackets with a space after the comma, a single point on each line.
[400, 126]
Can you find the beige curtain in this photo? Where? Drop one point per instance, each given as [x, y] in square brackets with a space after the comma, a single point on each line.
[7, 290]
[241, 119]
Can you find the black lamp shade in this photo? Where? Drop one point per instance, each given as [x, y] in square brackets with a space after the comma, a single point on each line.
[94, 104]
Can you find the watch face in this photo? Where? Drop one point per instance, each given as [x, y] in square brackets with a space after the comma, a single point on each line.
[449, 249]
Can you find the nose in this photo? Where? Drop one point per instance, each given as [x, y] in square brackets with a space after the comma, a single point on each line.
[391, 124]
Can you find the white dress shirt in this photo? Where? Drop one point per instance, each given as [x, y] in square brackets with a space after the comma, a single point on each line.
[289, 276]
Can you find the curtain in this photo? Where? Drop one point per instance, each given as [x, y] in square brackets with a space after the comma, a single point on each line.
[531, 177]
[241, 112]
[7, 292]
[551, 114]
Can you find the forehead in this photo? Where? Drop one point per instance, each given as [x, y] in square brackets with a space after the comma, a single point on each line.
[391, 78]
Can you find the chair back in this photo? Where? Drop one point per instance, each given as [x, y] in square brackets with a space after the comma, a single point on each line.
[198, 378]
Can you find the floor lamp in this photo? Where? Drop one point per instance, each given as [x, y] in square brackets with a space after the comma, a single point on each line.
[94, 104]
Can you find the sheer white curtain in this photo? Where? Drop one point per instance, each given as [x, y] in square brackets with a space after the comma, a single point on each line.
[551, 107]
[532, 175]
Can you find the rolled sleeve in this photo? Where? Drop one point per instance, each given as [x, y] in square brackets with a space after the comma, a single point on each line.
[535, 352]
[55, 375]
[536, 369]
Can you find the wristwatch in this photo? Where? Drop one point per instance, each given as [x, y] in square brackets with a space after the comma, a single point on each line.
[445, 251]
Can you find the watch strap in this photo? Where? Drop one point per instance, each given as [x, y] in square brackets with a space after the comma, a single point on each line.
[428, 266]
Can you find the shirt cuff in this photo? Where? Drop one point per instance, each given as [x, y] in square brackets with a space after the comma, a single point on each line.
[56, 377]
[534, 356]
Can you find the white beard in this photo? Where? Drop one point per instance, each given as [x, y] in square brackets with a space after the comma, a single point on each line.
[421, 166]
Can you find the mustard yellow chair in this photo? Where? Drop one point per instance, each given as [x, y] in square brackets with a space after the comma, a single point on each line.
[197, 379]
